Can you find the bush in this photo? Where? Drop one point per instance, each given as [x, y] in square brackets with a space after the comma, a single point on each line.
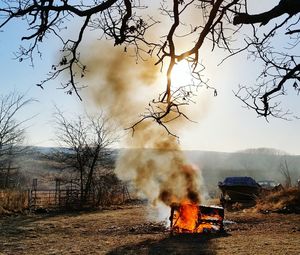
[13, 201]
[286, 200]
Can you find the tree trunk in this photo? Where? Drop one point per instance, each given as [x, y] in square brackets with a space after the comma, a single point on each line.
[91, 173]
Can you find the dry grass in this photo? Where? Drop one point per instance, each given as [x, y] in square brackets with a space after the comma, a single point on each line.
[128, 230]
[274, 201]
[13, 201]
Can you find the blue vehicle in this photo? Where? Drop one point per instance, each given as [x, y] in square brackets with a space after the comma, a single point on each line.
[238, 189]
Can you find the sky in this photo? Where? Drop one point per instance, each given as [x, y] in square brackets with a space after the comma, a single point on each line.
[222, 123]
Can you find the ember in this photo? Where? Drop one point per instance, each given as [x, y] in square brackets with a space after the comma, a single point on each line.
[192, 218]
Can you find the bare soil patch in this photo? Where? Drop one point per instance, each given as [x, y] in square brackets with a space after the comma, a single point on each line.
[127, 230]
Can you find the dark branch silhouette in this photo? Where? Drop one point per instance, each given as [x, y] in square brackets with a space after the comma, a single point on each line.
[281, 66]
[290, 7]
[125, 22]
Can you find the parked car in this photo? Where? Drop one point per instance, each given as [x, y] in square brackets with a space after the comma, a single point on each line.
[269, 185]
[243, 190]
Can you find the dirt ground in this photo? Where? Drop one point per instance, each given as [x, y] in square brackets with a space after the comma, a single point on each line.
[126, 230]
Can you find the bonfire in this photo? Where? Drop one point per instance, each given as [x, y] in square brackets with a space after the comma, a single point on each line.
[188, 217]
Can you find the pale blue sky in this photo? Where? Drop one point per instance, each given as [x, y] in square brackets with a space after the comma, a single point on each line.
[223, 124]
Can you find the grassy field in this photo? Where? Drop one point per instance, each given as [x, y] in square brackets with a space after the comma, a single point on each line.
[127, 230]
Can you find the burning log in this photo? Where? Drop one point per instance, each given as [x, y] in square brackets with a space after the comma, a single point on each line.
[193, 218]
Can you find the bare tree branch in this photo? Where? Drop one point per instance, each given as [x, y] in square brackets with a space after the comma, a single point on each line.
[289, 7]
[86, 139]
[12, 130]
[125, 22]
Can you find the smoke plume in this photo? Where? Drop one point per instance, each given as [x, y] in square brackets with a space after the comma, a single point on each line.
[155, 161]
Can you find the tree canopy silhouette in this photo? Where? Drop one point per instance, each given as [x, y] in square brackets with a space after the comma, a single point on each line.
[129, 23]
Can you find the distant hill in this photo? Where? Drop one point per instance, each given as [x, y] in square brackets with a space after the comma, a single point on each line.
[261, 163]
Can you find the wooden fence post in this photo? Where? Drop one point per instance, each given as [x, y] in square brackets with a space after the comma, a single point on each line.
[28, 199]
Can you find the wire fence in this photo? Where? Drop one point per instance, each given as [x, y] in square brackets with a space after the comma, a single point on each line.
[63, 196]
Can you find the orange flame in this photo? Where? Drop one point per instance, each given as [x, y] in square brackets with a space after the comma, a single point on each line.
[188, 218]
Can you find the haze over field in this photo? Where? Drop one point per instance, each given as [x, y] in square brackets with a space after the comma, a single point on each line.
[261, 164]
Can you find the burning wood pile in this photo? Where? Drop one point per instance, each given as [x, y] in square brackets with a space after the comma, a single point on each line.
[192, 218]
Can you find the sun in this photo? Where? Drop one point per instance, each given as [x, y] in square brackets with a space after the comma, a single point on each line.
[181, 75]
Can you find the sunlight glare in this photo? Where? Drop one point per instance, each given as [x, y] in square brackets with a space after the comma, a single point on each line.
[181, 75]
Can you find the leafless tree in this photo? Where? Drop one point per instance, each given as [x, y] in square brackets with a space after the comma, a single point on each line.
[84, 142]
[125, 22]
[12, 132]
[284, 170]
